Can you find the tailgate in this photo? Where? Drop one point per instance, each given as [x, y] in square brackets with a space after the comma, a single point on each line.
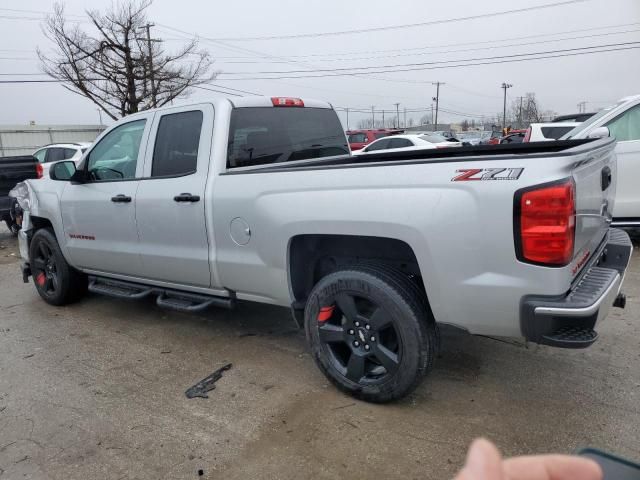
[595, 179]
[14, 170]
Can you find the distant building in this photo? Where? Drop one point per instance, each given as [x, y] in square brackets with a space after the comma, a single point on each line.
[25, 139]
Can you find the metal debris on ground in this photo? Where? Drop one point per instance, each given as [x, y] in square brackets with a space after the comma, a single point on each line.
[201, 388]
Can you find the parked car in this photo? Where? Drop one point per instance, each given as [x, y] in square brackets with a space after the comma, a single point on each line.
[370, 255]
[494, 138]
[542, 132]
[12, 171]
[575, 117]
[396, 143]
[622, 121]
[360, 138]
[473, 138]
[438, 140]
[60, 151]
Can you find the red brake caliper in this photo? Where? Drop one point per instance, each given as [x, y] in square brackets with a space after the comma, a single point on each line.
[325, 314]
[41, 279]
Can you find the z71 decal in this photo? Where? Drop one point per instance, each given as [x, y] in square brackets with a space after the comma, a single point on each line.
[471, 174]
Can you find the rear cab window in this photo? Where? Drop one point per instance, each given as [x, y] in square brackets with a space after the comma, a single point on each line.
[265, 135]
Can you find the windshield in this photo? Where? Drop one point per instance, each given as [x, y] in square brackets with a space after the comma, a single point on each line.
[260, 135]
[583, 126]
[433, 137]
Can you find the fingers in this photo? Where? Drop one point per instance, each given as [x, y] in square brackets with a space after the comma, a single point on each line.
[483, 462]
[551, 467]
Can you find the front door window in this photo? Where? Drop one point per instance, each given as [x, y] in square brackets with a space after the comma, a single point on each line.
[115, 157]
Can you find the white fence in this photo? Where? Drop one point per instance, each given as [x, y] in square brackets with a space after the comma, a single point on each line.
[26, 139]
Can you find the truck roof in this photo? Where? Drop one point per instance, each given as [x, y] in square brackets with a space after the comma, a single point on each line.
[255, 101]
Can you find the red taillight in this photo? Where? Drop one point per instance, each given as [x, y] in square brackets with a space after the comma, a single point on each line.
[287, 102]
[527, 135]
[547, 217]
[39, 170]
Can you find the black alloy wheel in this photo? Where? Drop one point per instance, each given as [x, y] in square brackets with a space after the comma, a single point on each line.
[57, 282]
[360, 339]
[371, 331]
[44, 270]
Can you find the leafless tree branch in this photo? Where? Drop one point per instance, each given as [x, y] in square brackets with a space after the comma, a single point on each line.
[115, 66]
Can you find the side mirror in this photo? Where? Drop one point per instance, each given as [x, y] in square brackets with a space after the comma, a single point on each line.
[600, 132]
[62, 171]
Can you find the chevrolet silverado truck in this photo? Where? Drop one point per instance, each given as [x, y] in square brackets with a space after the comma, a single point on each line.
[12, 171]
[258, 199]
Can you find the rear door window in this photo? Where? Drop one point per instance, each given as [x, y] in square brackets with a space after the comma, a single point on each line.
[378, 145]
[68, 153]
[554, 132]
[55, 154]
[176, 149]
[263, 135]
[400, 143]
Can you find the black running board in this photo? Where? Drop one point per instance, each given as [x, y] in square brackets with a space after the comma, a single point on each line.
[166, 298]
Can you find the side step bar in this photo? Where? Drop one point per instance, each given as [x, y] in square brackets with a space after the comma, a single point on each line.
[167, 298]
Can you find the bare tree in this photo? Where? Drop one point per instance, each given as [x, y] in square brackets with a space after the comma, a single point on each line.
[525, 111]
[118, 66]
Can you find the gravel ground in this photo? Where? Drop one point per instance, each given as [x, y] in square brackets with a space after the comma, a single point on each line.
[96, 390]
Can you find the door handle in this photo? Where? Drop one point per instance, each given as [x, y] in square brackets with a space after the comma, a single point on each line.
[186, 197]
[121, 199]
[605, 178]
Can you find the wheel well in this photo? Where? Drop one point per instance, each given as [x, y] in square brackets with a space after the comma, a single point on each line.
[312, 257]
[39, 222]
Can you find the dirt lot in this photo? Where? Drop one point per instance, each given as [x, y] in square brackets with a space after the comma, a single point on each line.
[96, 390]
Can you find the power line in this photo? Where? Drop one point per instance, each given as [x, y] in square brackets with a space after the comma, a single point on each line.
[41, 12]
[491, 47]
[398, 27]
[470, 63]
[416, 64]
[458, 44]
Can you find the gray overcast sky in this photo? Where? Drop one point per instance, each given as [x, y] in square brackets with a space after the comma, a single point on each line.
[558, 83]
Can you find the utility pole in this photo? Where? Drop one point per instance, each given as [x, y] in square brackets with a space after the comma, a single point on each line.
[405, 117]
[373, 117]
[504, 104]
[151, 73]
[397, 115]
[582, 107]
[432, 114]
[100, 115]
[383, 125]
[437, 99]
[520, 113]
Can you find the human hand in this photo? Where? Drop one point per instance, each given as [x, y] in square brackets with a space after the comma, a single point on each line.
[484, 462]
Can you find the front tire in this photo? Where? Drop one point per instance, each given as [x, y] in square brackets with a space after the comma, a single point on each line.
[57, 282]
[371, 332]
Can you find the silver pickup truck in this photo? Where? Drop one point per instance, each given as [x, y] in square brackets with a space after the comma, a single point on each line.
[259, 199]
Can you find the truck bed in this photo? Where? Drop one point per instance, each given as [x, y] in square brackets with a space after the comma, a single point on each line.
[453, 154]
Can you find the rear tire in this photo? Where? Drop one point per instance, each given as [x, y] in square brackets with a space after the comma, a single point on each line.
[371, 332]
[57, 282]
